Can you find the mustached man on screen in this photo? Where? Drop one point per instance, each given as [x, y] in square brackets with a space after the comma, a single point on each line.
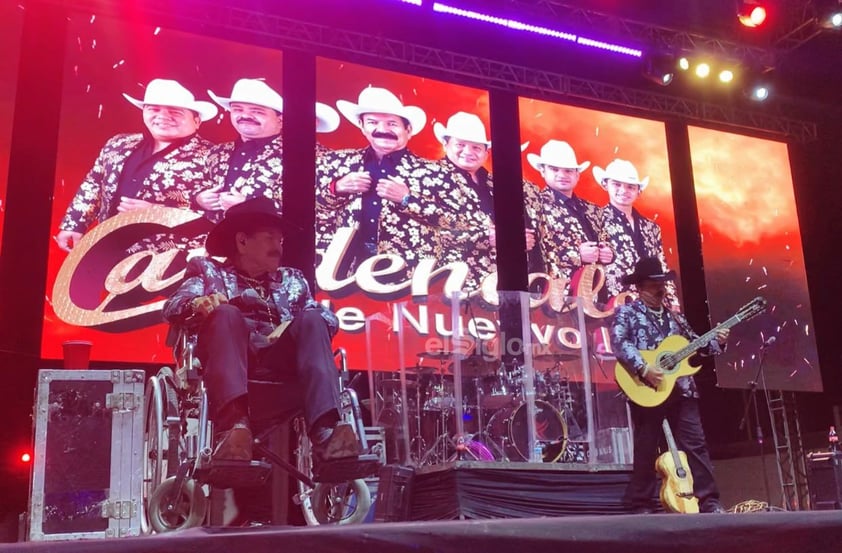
[395, 201]
[252, 165]
[164, 165]
[570, 225]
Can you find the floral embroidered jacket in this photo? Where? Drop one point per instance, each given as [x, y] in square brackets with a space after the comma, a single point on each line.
[263, 175]
[411, 231]
[627, 251]
[636, 328]
[174, 181]
[562, 232]
[474, 246]
[289, 292]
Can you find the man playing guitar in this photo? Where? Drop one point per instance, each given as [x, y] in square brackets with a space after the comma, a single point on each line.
[642, 325]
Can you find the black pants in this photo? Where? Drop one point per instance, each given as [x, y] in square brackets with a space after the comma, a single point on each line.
[685, 422]
[301, 358]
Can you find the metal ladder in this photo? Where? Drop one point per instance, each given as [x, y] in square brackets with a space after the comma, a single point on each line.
[789, 449]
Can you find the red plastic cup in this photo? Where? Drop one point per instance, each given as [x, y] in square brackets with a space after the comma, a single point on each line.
[77, 354]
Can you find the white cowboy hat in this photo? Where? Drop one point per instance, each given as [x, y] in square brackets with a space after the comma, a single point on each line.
[557, 154]
[327, 120]
[165, 92]
[462, 126]
[251, 91]
[380, 100]
[619, 170]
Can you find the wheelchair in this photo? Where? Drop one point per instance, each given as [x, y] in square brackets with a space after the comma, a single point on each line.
[179, 473]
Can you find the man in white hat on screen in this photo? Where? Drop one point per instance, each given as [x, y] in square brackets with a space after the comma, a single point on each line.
[569, 226]
[632, 236]
[163, 165]
[252, 165]
[466, 149]
[395, 200]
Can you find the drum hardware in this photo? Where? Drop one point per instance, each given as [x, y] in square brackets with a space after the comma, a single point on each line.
[478, 366]
[557, 358]
[442, 356]
[509, 426]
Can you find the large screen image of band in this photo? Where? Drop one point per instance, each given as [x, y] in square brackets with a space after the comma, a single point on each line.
[12, 17]
[437, 155]
[125, 260]
[752, 248]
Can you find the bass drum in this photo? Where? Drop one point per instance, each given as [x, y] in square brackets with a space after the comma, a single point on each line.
[508, 427]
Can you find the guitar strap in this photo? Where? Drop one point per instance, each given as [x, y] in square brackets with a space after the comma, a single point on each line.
[680, 322]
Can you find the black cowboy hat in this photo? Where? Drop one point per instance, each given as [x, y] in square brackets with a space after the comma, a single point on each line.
[251, 214]
[648, 268]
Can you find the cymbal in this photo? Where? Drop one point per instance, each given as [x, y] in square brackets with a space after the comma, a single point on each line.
[556, 357]
[441, 355]
[422, 370]
[477, 365]
[396, 382]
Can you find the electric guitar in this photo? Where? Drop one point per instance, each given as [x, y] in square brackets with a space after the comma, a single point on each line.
[676, 480]
[671, 357]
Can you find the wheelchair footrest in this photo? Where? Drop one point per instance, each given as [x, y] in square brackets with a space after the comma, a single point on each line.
[342, 470]
[234, 474]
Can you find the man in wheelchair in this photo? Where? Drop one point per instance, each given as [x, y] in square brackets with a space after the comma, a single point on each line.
[257, 320]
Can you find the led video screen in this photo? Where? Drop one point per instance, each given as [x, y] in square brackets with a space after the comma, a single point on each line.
[752, 248]
[12, 16]
[124, 261]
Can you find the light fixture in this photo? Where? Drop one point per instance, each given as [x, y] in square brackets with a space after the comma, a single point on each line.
[759, 93]
[758, 89]
[830, 14]
[702, 70]
[659, 68]
[726, 76]
[683, 63]
[751, 13]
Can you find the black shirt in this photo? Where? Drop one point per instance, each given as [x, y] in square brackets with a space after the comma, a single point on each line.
[244, 152]
[139, 165]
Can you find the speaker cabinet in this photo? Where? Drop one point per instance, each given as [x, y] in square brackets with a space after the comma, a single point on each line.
[394, 494]
[825, 479]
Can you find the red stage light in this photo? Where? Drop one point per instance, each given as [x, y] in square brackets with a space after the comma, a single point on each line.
[25, 457]
[751, 14]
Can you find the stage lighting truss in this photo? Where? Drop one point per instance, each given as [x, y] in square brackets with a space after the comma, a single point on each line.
[276, 31]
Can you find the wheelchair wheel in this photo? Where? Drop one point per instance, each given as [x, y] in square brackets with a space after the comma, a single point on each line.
[177, 509]
[153, 445]
[161, 446]
[346, 503]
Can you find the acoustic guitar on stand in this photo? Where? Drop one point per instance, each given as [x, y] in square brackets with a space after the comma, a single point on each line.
[676, 480]
[671, 356]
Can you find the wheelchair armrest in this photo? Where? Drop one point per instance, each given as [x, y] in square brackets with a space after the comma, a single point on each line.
[344, 375]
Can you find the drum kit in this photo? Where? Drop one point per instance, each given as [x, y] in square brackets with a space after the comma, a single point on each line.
[494, 409]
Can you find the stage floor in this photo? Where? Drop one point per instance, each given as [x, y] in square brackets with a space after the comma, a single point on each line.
[765, 532]
[469, 506]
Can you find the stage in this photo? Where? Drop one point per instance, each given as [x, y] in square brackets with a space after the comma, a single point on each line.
[772, 532]
[503, 507]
